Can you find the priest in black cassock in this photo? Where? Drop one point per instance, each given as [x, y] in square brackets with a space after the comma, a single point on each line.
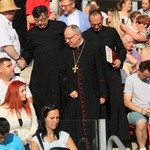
[44, 43]
[106, 36]
[82, 77]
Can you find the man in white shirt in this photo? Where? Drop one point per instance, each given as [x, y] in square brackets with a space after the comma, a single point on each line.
[9, 41]
[7, 76]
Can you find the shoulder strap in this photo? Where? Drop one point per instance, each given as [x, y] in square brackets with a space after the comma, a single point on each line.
[40, 141]
[127, 21]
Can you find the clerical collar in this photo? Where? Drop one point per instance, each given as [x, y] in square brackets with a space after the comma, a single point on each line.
[66, 15]
[80, 43]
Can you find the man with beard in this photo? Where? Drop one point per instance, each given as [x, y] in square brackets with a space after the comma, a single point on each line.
[82, 76]
[145, 10]
[137, 100]
[107, 36]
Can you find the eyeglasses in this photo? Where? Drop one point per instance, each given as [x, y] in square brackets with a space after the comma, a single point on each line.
[65, 6]
[139, 22]
[69, 38]
[41, 20]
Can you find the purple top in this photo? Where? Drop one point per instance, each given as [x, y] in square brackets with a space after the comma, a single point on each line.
[136, 55]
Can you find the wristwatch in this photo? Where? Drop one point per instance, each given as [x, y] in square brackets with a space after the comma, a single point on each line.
[18, 58]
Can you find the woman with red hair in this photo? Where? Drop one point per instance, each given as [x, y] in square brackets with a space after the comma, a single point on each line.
[19, 112]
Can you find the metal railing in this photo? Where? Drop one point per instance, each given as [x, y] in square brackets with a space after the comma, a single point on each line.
[116, 140]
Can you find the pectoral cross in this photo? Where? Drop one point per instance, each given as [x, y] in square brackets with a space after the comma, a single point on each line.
[75, 68]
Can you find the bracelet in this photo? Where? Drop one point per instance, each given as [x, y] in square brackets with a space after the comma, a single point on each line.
[18, 58]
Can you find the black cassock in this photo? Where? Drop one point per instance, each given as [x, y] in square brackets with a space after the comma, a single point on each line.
[117, 119]
[44, 46]
[89, 81]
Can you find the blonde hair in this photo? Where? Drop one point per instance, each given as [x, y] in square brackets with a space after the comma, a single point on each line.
[134, 14]
[115, 20]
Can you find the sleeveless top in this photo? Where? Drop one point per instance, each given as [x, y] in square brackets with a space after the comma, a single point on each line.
[61, 142]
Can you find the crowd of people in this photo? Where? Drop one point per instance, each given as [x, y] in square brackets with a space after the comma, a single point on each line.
[85, 65]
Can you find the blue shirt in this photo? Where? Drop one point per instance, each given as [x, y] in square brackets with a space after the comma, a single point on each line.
[12, 142]
[83, 20]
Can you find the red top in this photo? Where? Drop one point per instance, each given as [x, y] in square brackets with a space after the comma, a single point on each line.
[31, 4]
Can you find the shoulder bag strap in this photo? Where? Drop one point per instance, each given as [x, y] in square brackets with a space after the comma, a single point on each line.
[40, 141]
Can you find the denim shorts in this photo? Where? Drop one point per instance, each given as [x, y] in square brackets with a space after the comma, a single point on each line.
[134, 117]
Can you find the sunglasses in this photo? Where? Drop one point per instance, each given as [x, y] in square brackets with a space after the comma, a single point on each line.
[50, 107]
[139, 22]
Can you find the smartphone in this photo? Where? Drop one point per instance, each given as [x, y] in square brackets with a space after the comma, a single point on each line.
[123, 20]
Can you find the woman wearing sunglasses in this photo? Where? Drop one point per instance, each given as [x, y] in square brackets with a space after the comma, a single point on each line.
[140, 37]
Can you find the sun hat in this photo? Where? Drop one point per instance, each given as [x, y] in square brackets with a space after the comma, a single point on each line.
[8, 5]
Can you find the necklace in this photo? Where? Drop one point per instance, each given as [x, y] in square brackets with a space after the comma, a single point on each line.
[50, 138]
[75, 68]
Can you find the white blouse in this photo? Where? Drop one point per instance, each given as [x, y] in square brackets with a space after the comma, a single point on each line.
[61, 142]
[29, 125]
